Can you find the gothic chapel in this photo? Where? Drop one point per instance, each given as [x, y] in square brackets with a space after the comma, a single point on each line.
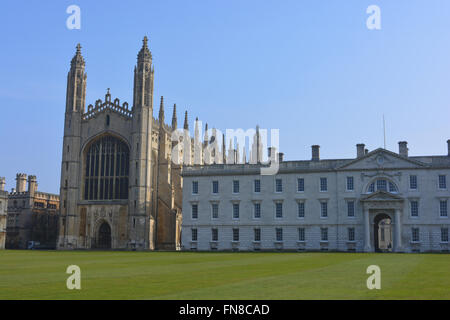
[119, 187]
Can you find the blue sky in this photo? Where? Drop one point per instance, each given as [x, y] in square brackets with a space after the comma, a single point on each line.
[310, 68]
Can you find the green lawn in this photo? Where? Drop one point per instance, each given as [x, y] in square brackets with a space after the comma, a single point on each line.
[190, 275]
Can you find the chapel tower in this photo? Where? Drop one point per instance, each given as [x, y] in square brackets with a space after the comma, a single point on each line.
[70, 166]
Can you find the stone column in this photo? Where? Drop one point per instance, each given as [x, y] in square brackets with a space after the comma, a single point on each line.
[367, 246]
[398, 231]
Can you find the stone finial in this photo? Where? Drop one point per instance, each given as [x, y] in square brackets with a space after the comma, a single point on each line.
[144, 54]
[186, 124]
[78, 60]
[174, 117]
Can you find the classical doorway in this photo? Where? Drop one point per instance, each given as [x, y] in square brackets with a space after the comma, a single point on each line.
[382, 233]
[104, 236]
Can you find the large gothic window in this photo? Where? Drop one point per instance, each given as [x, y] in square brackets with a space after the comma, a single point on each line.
[107, 165]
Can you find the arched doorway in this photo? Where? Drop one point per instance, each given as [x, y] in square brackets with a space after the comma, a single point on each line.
[104, 236]
[383, 233]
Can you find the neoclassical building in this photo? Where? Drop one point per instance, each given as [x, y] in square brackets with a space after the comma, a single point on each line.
[376, 201]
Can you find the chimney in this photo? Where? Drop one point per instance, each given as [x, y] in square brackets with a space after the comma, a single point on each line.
[280, 156]
[403, 148]
[2, 184]
[21, 182]
[360, 150]
[32, 184]
[315, 153]
[448, 147]
[272, 153]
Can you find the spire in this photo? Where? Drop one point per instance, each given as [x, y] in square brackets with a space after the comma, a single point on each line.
[205, 139]
[213, 135]
[161, 110]
[143, 79]
[186, 125]
[77, 60]
[224, 148]
[144, 53]
[196, 132]
[76, 84]
[258, 147]
[174, 117]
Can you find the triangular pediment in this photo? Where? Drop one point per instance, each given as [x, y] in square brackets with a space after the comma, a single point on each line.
[382, 159]
[381, 196]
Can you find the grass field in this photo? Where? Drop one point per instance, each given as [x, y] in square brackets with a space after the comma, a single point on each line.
[191, 275]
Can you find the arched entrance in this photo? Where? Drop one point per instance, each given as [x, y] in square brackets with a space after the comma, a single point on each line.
[104, 236]
[382, 233]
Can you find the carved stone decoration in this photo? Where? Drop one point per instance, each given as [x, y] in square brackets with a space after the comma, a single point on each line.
[381, 174]
[107, 105]
[382, 200]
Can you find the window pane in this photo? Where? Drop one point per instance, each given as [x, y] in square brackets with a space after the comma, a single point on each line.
[349, 183]
[278, 185]
[351, 208]
[235, 210]
[301, 209]
[257, 185]
[324, 209]
[413, 182]
[382, 185]
[279, 210]
[323, 184]
[101, 170]
[300, 185]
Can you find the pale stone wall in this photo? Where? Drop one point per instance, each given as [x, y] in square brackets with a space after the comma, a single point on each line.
[365, 170]
[32, 215]
[3, 213]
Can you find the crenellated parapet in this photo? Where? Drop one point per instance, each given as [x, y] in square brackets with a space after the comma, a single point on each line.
[101, 106]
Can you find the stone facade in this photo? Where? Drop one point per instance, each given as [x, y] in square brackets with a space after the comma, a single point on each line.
[3, 212]
[120, 188]
[32, 215]
[377, 201]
